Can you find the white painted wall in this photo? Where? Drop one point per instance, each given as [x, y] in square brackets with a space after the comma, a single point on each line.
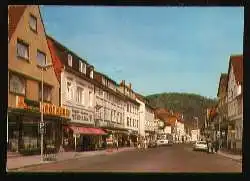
[85, 108]
[109, 102]
[132, 114]
[141, 117]
[149, 119]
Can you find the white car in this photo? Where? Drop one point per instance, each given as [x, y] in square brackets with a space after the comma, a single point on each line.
[163, 142]
[200, 145]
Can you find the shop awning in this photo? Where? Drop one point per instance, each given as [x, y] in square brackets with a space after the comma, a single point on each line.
[87, 131]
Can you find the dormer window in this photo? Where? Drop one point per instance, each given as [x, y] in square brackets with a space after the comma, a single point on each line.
[84, 68]
[80, 66]
[91, 74]
[70, 60]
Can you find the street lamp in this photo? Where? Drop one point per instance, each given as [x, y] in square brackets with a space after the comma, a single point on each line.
[42, 67]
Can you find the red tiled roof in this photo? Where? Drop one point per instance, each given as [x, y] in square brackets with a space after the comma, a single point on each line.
[237, 62]
[222, 84]
[15, 13]
[57, 64]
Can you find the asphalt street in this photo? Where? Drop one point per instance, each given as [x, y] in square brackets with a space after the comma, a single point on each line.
[177, 158]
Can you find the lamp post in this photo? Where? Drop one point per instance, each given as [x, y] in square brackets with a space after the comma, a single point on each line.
[42, 67]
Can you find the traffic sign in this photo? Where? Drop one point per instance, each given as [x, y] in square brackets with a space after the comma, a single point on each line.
[77, 135]
[42, 125]
[42, 130]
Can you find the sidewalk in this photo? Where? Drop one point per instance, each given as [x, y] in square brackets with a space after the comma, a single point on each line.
[231, 156]
[28, 161]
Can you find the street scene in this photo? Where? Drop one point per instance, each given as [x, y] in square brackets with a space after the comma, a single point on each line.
[94, 89]
[161, 159]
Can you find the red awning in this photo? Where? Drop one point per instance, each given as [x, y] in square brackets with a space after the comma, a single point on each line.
[87, 131]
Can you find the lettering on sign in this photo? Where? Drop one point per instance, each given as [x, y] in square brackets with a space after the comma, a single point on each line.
[52, 109]
[80, 115]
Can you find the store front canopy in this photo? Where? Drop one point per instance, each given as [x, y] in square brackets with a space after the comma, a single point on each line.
[87, 131]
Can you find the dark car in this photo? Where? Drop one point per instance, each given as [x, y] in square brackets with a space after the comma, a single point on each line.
[152, 144]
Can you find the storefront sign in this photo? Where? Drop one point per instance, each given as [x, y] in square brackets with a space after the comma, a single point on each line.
[111, 125]
[49, 109]
[52, 109]
[80, 115]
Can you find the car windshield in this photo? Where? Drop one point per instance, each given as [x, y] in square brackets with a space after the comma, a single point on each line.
[201, 142]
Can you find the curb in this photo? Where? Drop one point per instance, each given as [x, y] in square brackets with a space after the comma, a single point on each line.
[235, 159]
[75, 157]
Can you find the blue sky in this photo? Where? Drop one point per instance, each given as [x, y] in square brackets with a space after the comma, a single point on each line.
[157, 49]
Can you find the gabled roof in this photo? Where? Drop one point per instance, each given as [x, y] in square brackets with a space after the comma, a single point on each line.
[236, 61]
[222, 83]
[107, 77]
[15, 13]
[63, 52]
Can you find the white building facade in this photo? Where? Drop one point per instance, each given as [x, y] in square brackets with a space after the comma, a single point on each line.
[235, 103]
[131, 112]
[78, 96]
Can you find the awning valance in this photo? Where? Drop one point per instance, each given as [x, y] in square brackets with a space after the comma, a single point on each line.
[87, 131]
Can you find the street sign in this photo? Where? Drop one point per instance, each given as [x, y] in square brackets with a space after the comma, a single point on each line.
[77, 135]
[42, 130]
[42, 125]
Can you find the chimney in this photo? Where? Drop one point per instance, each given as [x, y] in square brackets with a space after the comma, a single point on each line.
[130, 85]
[123, 82]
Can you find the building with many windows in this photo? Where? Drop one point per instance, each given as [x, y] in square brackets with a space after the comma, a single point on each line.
[131, 118]
[235, 102]
[27, 52]
[76, 77]
[110, 108]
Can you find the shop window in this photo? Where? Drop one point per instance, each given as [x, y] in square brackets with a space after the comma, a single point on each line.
[17, 84]
[33, 23]
[22, 49]
[47, 93]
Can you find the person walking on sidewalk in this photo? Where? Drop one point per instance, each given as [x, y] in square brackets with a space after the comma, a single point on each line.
[116, 144]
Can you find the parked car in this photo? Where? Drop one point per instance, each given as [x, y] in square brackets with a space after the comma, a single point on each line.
[152, 144]
[164, 142]
[200, 146]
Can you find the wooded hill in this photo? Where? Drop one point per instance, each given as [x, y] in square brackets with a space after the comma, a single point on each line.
[189, 104]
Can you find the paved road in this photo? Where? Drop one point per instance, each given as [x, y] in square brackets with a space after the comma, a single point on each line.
[178, 158]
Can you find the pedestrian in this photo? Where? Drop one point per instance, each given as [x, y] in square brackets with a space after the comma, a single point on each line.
[145, 143]
[116, 144]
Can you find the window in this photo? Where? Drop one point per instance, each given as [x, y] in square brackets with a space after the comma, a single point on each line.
[91, 74]
[84, 68]
[70, 60]
[80, 66]
[127, 107]
[127, 121]
[40, 58]
[22, 49]
[79, 94]
[90, 98]
[47, 92]
[33, 23]
[69, 90]
[17, 84]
